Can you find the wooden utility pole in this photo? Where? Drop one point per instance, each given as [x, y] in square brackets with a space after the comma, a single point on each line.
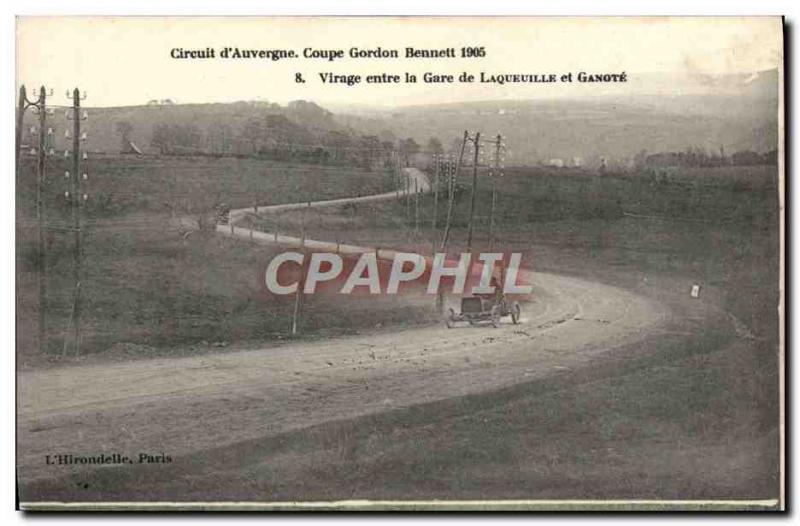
[40, 107]
[393, 168]
[23, 101]
[40, 245]
[495, 175]
[450, 201]
[408, 200]
[76, 214]
[476, 141]
[397, 169]
[436, 164]
[451, 197]
[451, 177]
[416, 206]
[303, 220]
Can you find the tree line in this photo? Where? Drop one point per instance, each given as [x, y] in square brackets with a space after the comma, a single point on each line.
[698, 157]
[277, 137]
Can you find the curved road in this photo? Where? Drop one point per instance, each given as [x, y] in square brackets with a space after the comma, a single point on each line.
[181, 405]
[413, 179]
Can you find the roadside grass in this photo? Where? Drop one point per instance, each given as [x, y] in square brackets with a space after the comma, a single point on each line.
[697, 427]
[688, 413]
[707, 227]
[147, 292]
[124, 184]
[151, 286]
[689, 421]
[688, 427]
[738, 196]
[672, 417]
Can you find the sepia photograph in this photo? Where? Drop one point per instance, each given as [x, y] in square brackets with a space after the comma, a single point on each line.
[400, 263]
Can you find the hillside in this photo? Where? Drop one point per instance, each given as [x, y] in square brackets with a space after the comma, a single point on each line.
[661, 113]
[615, 129]
[210, 124]
[742, 116]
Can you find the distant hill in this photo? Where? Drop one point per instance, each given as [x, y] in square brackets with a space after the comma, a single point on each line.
[734, 113]
[299, 122]
[609, 128]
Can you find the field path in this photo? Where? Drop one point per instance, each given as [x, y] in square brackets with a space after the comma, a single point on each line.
[184, 405]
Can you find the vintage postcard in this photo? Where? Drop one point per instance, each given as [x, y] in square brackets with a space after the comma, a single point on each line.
[399, 263]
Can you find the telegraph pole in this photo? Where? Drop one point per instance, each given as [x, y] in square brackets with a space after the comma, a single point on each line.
[23, 101]
[40, 174]
[76, 215]
[451, 175]
[416, 206]
[450, 199]
[408, 200]
[496, 173]
[476, 142]
[393, 168]
[446, 236]
[436, 165]
[77, 199]
[39, 106]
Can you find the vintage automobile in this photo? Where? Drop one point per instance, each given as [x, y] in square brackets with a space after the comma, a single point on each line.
[476, 309]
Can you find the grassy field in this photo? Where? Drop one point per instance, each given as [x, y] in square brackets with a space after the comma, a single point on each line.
[529, 196]
[151, 286]
[682, 422]
[690, 412]
[130, 184]
[714, 227]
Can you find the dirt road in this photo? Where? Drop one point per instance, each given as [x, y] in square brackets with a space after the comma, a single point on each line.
[412, 177]
[186, 404]
[180, 405]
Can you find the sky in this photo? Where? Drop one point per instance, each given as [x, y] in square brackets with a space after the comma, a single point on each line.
[126, 60]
